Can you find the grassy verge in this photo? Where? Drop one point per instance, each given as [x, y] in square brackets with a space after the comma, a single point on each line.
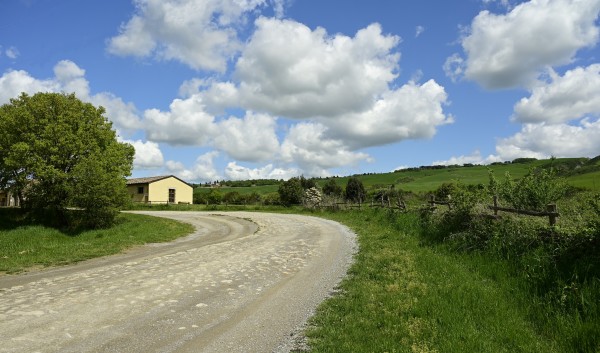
[404, 296]
[26, 246]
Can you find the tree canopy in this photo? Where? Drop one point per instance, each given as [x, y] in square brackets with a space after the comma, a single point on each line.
[355, 190]
[57, 152]
[291, 192]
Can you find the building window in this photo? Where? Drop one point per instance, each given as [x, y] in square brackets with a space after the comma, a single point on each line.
[140, 189]
[171, 195]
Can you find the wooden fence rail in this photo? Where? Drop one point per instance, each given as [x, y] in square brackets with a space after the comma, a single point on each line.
[551, 211]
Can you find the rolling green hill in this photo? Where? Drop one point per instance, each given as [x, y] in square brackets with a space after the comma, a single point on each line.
[580, 172]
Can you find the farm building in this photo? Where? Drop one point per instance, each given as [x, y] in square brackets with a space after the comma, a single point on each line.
[8, 199]
[160, 190]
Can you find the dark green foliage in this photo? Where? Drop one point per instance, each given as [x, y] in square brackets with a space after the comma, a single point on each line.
[232, 198]
[58, 152]
[307, 183]
[291, 191]
[355, 190]
[331, 188]
[214, 197]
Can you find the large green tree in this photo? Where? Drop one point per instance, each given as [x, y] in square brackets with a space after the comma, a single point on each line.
[57, 152]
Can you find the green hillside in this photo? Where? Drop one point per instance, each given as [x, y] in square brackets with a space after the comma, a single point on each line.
[580, 172]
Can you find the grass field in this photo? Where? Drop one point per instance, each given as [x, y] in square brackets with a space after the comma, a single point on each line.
[25, 246]
[404, 296]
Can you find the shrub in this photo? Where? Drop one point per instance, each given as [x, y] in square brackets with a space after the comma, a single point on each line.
[355, 190]
[534, 191]
[291, 192]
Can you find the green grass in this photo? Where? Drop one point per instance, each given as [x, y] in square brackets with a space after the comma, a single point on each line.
[426, 180]
[589, 181]
[29, 246]
[404, 296]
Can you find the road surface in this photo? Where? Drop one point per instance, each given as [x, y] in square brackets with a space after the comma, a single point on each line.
[243, 282]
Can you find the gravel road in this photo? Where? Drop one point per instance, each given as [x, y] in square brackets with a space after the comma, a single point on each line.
[243, 282]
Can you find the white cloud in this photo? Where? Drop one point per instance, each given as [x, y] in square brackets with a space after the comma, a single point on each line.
[473, 158]
[199, 33]
[252, 138]
[12, 53]
[289, 70]
[412, 111]
[419, 30]
[186, 123]
[454, 67]
[560, 140]
[202, 171]
[308, 146]
[69, 78]
[569, 97]
[13, 83]
[509, 50]
[147, 154]
[233, 171]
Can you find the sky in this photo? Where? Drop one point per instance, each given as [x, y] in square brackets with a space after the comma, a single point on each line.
[271, 89]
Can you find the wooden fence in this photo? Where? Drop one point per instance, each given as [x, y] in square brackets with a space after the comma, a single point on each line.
[551, 211]
[399, 204]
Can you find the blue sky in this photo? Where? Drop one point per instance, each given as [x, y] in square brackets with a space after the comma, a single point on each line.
[241, 89]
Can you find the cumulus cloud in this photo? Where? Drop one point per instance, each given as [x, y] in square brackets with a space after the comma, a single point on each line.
[560, 140]
[569, 97]
[251, 138]
[186, 123]
[289, 70]
[412, 111]
[234, 171]
[70, 78]
[509, 50]
[147, 154]
[473, 158]
[308, 146]
[15, 82]
[202, 171]
[199, 33]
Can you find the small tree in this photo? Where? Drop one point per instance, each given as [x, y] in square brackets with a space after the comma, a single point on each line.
[291, 192]
[331, 188]
[355, 190]
[57, 151]
[214, 197]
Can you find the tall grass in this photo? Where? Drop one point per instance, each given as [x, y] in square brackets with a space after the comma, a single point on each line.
[405, 295]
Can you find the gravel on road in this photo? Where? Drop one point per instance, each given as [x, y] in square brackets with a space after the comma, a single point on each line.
[242, 282]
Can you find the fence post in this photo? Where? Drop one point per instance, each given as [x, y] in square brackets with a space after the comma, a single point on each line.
[432, 200]
[551, 209]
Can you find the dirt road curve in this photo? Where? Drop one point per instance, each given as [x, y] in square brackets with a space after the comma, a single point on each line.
[243, 282]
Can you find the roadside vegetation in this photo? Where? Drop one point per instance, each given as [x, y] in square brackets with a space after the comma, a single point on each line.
[462, 279]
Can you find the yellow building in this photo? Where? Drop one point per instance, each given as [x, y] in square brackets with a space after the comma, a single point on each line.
[160, 189]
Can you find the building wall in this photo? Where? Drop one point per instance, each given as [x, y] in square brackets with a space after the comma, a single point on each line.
[135, 195]
[8, 199]
[159, 191]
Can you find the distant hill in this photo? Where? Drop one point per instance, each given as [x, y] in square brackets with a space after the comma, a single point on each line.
[580, 172]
